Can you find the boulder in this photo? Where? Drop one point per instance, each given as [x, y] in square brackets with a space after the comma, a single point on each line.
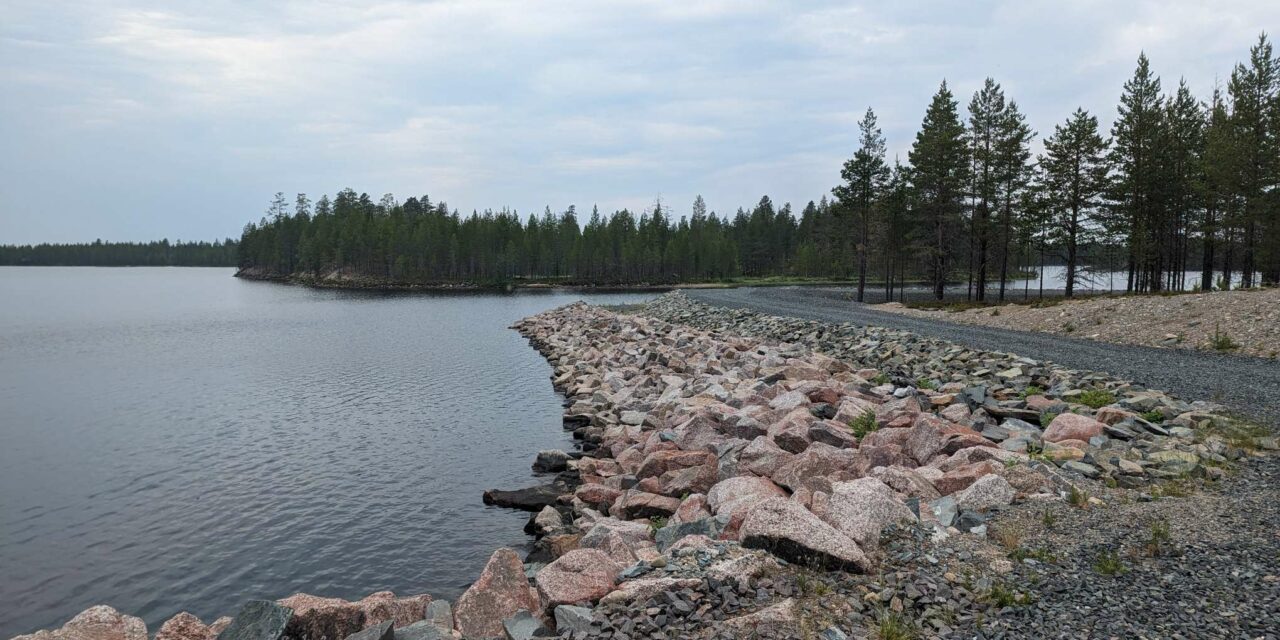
[659, 462]
[523, 626]
[861, 508]
[597, 496]
[789, 531]
[737, 494]
[682, 482]
[384, 605]
[551, 461]
[692, 507]
[776, 620]
[636, 504]
[1072, 426]
[257, 620]
[380, 631]
[185, 626]
[906, 481]
[576, 620]
[833, 434]
[422, 630]
[317, 618]
[501, 590]
[640, 590]
[763, 457]
[612, 543]
[528, 499]
[988, 492]
[582, 575]
[817, 467]
[98, 623]
[960, 478]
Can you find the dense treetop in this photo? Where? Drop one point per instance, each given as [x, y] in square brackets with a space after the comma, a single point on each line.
[123, 254]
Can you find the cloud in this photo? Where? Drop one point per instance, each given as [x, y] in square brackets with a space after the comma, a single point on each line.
[182, 118]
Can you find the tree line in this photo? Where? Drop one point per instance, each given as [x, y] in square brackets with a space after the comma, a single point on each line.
[1178, 184]
[162, 253]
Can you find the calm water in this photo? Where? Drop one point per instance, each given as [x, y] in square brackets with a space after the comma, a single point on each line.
[178, 439]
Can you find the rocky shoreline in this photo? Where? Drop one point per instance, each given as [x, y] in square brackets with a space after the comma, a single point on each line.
[741, 475]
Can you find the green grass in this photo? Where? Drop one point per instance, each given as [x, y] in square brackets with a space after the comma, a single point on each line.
[881, 378]
[1159, 539]
[1221, 341]
[925, 383]
[1096, 398]
[655, 523]
[1108, 563]
[1048, 519]
[864, 424]
[1031, 390]
[1078, 498]
[1047, 417]
[893, 626]
[1153, 416]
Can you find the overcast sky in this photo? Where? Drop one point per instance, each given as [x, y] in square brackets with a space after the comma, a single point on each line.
[134, 120]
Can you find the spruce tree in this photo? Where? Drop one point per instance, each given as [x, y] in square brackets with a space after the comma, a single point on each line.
[864, 177]
[939, 172]
[1075, 179]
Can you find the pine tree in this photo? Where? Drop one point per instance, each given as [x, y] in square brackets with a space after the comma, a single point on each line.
[864, 177]
[939, 171]
[1136, 138]
[1013, 173]
[1075, 179]
[1254, 92]
[986, 120]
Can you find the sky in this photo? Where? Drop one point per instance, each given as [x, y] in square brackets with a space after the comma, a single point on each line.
[133, 120]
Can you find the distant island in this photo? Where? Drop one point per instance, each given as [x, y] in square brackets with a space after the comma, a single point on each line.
[161, 253]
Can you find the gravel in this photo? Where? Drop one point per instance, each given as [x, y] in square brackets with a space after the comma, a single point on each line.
[1249, 386]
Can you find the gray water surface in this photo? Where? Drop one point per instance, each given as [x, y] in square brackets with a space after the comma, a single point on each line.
[177, 439]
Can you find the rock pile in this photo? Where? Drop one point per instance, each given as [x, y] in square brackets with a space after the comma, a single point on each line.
[1091, 424]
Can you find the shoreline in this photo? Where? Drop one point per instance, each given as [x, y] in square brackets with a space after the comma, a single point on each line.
[676, 509]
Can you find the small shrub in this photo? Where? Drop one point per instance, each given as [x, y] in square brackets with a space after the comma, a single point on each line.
[925, 383]
[864, 424]
[1002, 596]
[1038, 553]
[1221, 341]
[1008, 538]
[1153, 416]
[1069, 327]
[1046, 418]
[891, 625]
[1108, 564]
[1078, 498]
[995, 313]
[881, 378]
[1048, 519]
[655, 523]
[1175, 488]
[1160, 538]
[1096, 398]
[1031, 390]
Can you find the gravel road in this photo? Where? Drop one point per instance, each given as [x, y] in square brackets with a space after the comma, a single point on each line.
[1249, 386]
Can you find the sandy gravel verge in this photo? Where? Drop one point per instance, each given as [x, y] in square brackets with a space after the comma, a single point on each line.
[1250, 319]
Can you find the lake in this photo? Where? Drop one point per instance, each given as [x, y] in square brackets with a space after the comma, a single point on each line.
[178, 439]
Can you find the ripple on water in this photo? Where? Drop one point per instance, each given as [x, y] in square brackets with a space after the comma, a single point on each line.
[176, 439]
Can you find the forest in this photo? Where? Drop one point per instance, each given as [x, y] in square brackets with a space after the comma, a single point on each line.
[161, 253]
[1179, 184]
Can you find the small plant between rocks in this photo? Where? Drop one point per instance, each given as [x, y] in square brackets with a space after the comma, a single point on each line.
[1108, 563]
[1220, 341]
[891, 625]
[864, 424]
[1096, 398]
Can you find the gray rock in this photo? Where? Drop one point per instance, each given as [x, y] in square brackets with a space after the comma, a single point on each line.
[258, 620]
[833, 633]
[422, 630]
[523, 626]
[1086, 470]
[572, 618]
[945, 510]
[440, 613]
[377, 632]
[668, 535]
[551, 461]
[988, 492]
[968, 520]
